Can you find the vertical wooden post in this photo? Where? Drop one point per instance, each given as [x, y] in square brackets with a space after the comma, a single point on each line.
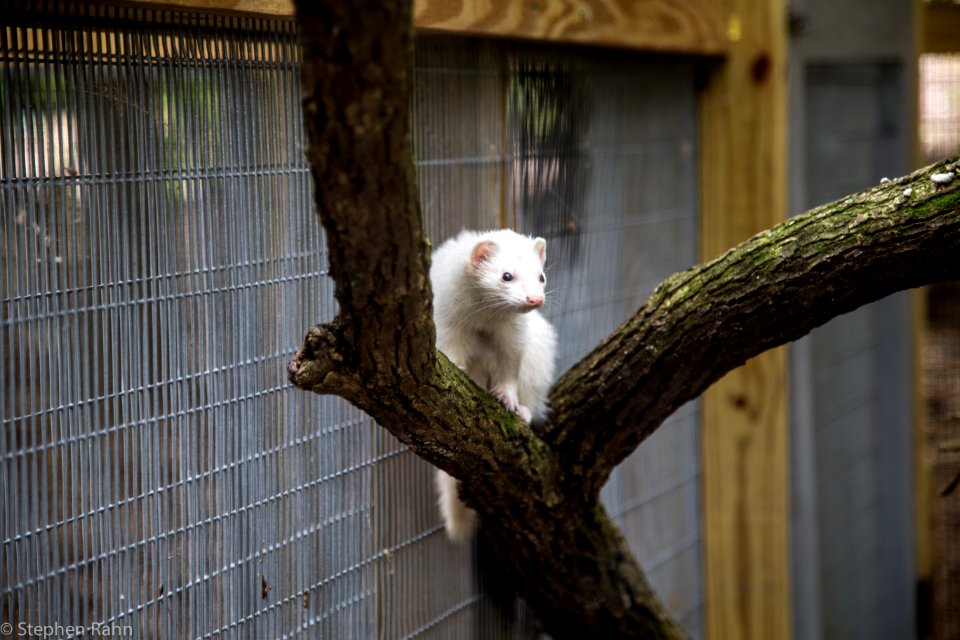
[924, 35]
[745, 439]
[923, 489]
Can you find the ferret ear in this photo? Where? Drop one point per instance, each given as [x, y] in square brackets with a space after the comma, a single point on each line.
[540, 246]
[482, 252]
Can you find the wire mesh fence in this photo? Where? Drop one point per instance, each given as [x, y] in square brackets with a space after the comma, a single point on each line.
[851, 383]
[161, 262]
[939, 97]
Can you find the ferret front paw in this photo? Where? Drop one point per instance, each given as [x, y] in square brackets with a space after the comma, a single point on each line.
[507, 400]
[524, 413]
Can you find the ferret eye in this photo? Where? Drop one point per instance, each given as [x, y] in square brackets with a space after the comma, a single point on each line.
[542, 279]
[507, 276]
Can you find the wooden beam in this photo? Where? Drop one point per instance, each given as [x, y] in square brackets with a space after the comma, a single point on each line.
[692, 27]
[254, 7]
[941, 27]
[923, 490]
[923, 472]
[746, 479]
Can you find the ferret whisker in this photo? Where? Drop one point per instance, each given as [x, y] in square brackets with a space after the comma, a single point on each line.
[476, 310]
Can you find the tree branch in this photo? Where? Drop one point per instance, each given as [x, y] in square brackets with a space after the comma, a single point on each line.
[568, 559]
[772, 289]
[538, 494]
[379, 351]
[356, 101]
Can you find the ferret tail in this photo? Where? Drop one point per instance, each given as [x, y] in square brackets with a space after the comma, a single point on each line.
[460, 520]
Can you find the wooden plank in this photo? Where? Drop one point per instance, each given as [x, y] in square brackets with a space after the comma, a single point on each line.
[746, 479]
[923, 475]
[695, 26]
[692, 27]
[923, 491]
[941, 27]
[261, 7]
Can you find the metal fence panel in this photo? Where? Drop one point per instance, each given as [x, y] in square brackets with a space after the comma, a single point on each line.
[858, 379]
[162, 262]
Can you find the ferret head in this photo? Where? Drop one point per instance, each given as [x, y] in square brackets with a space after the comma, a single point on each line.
[512, 267]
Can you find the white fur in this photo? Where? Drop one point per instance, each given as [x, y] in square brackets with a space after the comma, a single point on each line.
[491, 329]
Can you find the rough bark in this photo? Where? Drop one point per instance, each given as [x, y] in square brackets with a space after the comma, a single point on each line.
[770, 290]
[538, 493]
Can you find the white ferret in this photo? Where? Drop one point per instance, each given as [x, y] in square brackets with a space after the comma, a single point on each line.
[487, 287]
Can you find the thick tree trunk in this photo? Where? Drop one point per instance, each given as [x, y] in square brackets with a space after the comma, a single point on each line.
[538, 493]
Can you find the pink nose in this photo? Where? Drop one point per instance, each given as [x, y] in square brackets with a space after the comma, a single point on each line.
[535, 301]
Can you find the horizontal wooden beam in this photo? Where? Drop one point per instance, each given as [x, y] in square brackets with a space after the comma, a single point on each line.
[280, 8]
[695, 27]
[941, 27]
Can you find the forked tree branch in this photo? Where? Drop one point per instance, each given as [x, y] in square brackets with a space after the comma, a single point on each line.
[772, 289]
[538, 493]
